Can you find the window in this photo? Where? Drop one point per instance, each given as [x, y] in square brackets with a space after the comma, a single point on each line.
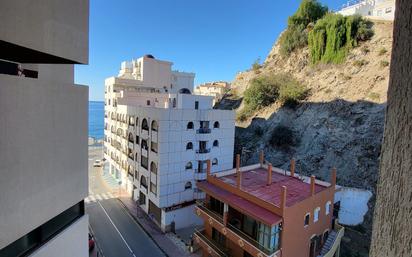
[143, 182]
[153, 167]
[196, 105]
[216, 206]
[153, 188]
[190, 125]
[148, 102]
[218, 237]
[307, 217]
[131, 138]
[137, 140]
[327, 208]
[215, 143]
[316, 214]
[188, 185]
[155, 127]
[189, 146]
[216, 124]
[214, 161]
[145, 125]
[189, 166]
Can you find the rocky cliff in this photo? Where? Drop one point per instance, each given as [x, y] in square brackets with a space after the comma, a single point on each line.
[339, 124]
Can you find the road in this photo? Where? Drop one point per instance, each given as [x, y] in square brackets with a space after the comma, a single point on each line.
[117, 234]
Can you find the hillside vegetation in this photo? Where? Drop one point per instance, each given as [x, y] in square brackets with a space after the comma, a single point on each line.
[337, 115]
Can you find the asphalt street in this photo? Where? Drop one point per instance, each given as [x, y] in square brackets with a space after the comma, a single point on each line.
[117, 233]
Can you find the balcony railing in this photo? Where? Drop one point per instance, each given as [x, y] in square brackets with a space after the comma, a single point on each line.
[204, 131]
[203, 150]
[218, 249]
[235, 231]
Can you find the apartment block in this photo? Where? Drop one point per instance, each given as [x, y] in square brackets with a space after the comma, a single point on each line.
[158, 137]
[43, 128]
[260, 210]
[376, 9]
[216, 89]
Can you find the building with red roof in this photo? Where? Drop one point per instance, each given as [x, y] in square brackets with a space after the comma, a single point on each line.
[261, 211]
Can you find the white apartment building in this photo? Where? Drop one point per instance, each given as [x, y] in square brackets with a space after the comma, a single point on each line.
[43, 128]
[158, 137]
[216, 89]
[376, 9]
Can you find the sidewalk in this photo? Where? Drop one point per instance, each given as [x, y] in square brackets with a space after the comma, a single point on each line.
[166, 242]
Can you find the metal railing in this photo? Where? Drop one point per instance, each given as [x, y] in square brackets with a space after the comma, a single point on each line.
[204, 131]
[203, 150]
[214, 245]
[235, 230]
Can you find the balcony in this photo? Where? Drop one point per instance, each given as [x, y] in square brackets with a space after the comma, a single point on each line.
[204, 131]
[232, 233]
[207, 150]
[209, 245]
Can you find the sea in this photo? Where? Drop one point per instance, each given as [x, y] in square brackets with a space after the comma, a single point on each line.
[96, 119]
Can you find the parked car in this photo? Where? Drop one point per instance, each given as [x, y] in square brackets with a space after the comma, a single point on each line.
[91, 242]
[97, 163]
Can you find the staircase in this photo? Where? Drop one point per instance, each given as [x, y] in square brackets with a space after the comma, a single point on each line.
[328, 244]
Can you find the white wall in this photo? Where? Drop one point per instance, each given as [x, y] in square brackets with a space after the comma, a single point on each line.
[73, 241]
[183, 217]
[43, 149]
[353, 205]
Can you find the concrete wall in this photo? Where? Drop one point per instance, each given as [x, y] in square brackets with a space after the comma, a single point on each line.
[43, 149]
[58, 28]
[73, 241]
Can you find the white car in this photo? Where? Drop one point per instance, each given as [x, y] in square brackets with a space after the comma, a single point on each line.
[97, 163]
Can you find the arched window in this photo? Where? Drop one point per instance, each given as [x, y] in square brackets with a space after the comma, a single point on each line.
[188, 185]
[143, 181]
[137, 121]
[136, 157]
[215, 143]
[189, 146]
[316, 214]
[214, 161]
[131, 120]
[216, 124]
[131, 137]
[145, 126]
[153, 167]
[190, 125]
[189, 166]
[155, 127]
[144, 144]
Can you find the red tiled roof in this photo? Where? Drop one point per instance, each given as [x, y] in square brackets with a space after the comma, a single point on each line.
[241, 204]
[254, 182]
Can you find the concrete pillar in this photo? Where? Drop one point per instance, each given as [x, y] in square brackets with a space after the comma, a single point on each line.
[312, 185]
[292, 167]
[208, 167]
[283, 193]
[225, 214]
[269, 174]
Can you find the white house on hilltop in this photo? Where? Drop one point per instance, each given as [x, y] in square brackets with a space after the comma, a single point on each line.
[158, 137]
[377, 9]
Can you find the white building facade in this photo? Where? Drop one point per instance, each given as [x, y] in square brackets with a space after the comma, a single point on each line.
[377, 9]
[158, 137]
[43, 127]
[215, 89]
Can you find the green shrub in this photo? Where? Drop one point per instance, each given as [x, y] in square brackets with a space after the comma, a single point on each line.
[267, 89]
[334, 34]
[360, 63]
[296, 35]
[256, 65]
[383, 64]
[382, 51]
[291, 92]
[282, 136]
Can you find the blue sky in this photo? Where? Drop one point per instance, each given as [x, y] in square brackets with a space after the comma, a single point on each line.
[213, 38]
